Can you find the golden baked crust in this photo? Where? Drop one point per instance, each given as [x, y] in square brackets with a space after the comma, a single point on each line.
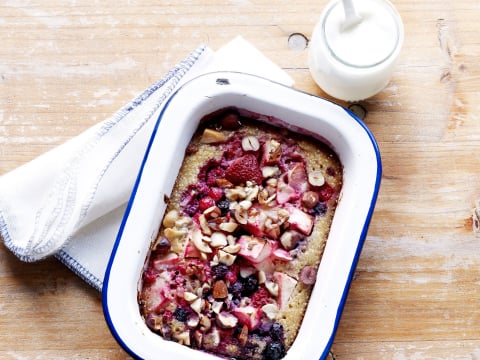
[235, 261]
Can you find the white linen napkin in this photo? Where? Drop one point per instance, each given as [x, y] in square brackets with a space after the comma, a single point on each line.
[69, 202]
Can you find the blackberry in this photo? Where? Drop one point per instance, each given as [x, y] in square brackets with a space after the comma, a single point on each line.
[274, 351]
[250, 285]
[180, 314]
[219, 271]
[236, 289]
[320, 209]
[276, 331]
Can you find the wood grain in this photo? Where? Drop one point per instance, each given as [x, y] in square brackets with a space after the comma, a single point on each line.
[66, 65]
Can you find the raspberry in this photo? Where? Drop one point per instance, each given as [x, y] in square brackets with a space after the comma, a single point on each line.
[326, 192]
[244, 169]
[215, 193]
[260, 297]
[150, 275]
[205, 203]
[231, 277]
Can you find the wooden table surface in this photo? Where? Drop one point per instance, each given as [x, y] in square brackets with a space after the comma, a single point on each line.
[416, 293]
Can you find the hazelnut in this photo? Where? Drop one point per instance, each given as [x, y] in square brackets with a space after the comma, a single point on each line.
[162, 246]
[310, 199]
[289, 239]
[308, 275]
[250, 143]
[316, 178]
[230, 121]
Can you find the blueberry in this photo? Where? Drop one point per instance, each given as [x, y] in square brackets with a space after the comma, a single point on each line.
[274, 351]
[180, 314]
[224, 206]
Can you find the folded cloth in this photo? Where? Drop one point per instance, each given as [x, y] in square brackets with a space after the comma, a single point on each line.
[69, 202]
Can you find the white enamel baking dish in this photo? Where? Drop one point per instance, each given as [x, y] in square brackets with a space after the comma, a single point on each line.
[336, 126]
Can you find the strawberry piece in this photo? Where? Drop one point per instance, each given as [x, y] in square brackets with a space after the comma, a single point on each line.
[300, 220]
[297, 178]
[286, 285]
[286, 192]
[244, 169]
[249, 316]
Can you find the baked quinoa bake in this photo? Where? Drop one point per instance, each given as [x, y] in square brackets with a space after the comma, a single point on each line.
[236, 257]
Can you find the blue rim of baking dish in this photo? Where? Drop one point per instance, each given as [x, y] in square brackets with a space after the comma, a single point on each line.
[355, 259]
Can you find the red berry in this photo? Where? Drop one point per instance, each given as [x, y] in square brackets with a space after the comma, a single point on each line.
[215, 193]
[244, 169]
[205, 203]
[326, 192]
[231, 277]
[260, 297]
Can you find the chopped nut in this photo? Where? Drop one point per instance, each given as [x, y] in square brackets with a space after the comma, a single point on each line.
[212, 212]
[243, 336]
[262, 277]
[189, 296]
[217, 306]
[270, 171]
[316, 178]
[220, 290]
[232, 249]
[174, 234]
[218, 239]
[196, 305]
[247, 271]
[270, 310]
[212, 339]
[265, 198]
[210, 136]
[204, 225]
[272, 287]
[250, 143]
[228, 226]
[198, 337]
[193, 321]
[205, 323]
[183, 338]
[170, 218]
[226, 258]
[237, 193]
[226, 320]
[241, 215]
[197, 240]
